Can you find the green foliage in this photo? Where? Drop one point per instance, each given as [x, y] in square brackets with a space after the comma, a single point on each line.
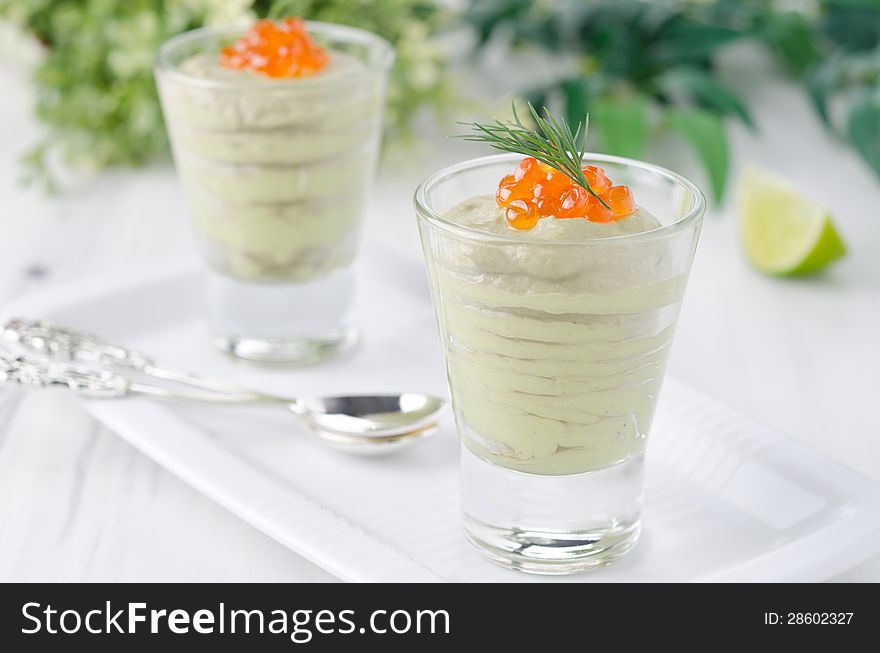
[637, 64]
[790, 36]
[850, 74]
[95, 88]
[837, 55]
[641, 63]
[853, 25]
[706, 91]
[650, 65]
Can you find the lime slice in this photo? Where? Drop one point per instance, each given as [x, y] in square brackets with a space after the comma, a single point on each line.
[783, 232]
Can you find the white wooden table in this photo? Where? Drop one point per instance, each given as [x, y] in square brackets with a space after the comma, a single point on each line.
[76, 503]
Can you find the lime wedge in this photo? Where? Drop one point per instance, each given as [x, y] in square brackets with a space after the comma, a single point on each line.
[783, 232]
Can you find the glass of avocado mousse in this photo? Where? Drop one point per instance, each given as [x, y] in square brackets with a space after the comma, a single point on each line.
[275, 130]
[557, 278]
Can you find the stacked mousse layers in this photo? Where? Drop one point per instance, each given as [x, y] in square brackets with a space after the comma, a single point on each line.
[275, 169]
[555, 351]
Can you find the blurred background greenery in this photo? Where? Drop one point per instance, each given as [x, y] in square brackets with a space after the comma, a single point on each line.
[641, 69]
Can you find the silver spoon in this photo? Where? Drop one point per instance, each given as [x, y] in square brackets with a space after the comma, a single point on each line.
[361, 424]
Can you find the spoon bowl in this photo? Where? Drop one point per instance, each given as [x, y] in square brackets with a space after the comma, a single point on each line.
[370, 424]
[373, 416]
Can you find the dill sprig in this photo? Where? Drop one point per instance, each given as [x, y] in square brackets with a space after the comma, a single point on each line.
[552, 143]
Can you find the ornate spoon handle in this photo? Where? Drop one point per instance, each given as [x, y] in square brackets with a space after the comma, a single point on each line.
[96, 383]
[35, 372]
[64, 344]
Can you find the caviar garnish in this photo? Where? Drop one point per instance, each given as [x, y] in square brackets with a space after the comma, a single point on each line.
[553, 143]
[536, 190]
[276, 49]
[551, 180]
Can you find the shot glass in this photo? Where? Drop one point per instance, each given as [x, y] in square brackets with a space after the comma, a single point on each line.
[276, 173]
[555, 353]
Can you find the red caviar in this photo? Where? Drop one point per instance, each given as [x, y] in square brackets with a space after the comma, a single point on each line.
[536, 190]
[276, 49]
[620, 199]
[597, 179]
[521, 214]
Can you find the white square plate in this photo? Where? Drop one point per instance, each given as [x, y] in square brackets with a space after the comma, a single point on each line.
[726, 499]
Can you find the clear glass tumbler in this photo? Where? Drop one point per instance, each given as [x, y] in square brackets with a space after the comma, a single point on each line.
[276, 174]
[555, 353]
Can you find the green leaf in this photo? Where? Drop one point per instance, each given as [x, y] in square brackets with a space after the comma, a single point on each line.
[576, 95]
[863, 127]
[792, 37]
[487, 16]
[687, 39]
[704, 131]
[707, 91]
[537, 97]
[821, 82]
[853, 25]
[623, 124]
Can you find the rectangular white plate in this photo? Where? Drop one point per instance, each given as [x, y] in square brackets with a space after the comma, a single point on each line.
[726, 499]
